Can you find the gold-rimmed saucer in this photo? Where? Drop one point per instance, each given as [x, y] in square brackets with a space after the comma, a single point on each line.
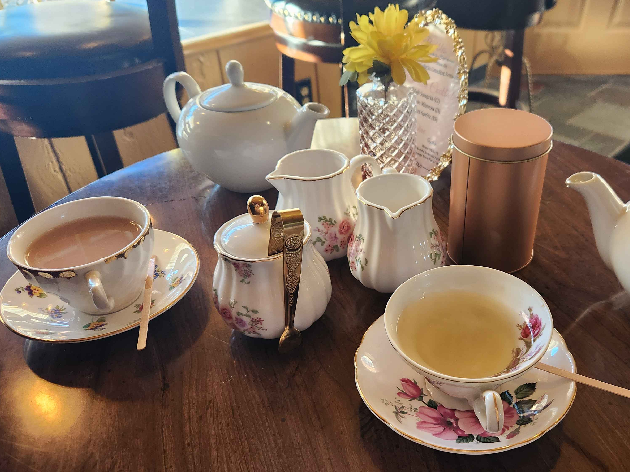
[30, 312]
[533, 404]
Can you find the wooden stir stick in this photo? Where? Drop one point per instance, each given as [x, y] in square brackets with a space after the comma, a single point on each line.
[146, 306]
[624, 392]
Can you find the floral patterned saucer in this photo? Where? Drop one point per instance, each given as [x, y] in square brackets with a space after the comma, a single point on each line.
[397, 395]
[30, 312]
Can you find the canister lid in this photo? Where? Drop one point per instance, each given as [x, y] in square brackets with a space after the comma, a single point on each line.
[502, 134]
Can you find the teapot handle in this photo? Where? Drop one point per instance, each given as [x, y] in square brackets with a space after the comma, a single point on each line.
[168, 90]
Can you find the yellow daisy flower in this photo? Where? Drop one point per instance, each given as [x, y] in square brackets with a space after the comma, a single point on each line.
[386, 37]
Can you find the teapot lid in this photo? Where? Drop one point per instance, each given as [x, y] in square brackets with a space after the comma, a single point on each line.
[246, 237]
[237, 95]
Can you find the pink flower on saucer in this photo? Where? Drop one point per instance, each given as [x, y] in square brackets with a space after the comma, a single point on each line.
[532, 326]
[328, 249]
[441, 423]
[353, 264]
[345, 227]
[410, 390]
[470, 424]
[326, 226]
[225, 313]
[240, 323]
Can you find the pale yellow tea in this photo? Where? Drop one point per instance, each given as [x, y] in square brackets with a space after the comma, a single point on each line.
[458, 333]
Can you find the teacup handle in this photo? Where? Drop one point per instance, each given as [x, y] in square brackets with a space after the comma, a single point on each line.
[99, 297]
[489, 410]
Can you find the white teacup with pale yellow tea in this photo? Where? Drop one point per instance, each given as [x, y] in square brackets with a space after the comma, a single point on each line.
[468, 330]
[92, 253]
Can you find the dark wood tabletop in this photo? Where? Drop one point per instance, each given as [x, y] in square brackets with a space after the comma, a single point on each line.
[201, 397]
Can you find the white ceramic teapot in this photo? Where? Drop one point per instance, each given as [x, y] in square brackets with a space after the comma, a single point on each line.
[236, 133]
[610, 218]
[248, 284]
[396, 236]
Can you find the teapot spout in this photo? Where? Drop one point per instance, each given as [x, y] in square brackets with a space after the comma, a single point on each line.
[299, 131]
[604, 207]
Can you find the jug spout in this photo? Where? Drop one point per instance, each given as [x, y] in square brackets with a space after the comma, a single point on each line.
[604, 207]
[299, 131]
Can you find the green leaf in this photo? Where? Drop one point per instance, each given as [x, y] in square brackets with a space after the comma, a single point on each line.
[506, 397]
[247, 308]
[488, 439]
[432, 404]
[523, 406]
[348, 76]
[523, 420]
[525, 390]
[465, 439]
[255, 312]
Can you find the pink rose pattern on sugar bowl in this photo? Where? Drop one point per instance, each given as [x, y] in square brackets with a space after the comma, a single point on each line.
[520, 409]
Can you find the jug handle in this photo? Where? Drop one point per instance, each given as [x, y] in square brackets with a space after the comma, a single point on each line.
[170, 97]
[355, 167]
[357, 161]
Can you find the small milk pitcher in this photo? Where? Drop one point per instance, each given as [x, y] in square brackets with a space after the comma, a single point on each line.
[396, 236]
[321, 183]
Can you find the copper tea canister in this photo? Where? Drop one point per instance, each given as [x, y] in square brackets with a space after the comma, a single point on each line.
[499, 161]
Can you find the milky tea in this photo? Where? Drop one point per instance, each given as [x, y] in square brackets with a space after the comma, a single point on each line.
[458, 333]
[81, 241]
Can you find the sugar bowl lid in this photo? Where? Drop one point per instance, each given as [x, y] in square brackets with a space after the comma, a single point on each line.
[246, 237]
[237, 95]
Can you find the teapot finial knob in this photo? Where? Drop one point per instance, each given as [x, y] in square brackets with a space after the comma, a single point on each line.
[234, 72]
[258, 209]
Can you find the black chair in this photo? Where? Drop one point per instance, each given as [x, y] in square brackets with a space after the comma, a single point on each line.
[511, 16]
[81, 68]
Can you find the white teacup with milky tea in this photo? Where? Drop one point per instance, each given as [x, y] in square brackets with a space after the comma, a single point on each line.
[92, 253]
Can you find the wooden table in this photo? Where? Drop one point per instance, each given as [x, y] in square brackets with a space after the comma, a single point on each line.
[203, 398]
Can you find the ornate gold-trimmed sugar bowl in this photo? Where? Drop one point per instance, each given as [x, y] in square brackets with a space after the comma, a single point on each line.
[248, 283]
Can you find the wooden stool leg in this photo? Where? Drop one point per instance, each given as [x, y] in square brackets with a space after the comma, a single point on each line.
[104, 153]
[15, 178]
[510, 86]
[287, 74]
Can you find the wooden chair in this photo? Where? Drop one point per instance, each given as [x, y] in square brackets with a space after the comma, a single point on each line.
[81, 68]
